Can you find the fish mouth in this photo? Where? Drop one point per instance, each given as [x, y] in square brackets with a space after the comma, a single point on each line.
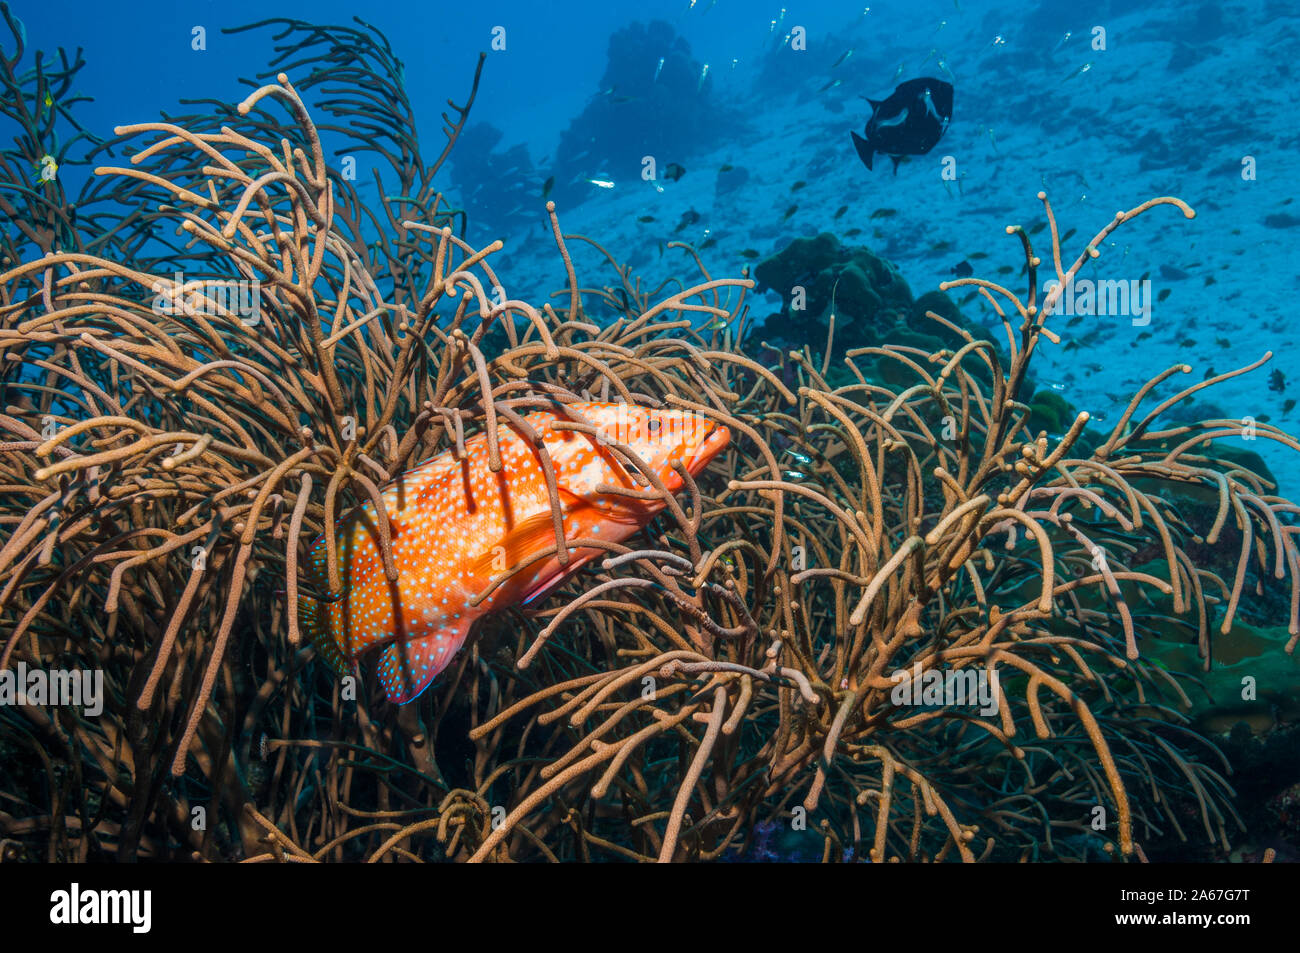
[715, 441]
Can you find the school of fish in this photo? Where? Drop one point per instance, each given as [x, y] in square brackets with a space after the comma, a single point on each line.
[457, 527]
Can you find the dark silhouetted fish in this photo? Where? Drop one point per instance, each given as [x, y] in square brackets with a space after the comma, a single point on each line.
[963, 269]
[909, 123]
[674, 171]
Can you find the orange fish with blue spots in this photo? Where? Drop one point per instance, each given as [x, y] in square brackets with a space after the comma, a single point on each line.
[457, 527]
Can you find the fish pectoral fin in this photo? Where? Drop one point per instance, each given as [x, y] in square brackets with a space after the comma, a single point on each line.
[523, 541]
[546, 585]
[407, 668]
[536, 535]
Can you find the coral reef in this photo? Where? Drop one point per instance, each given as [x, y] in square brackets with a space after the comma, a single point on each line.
[870, 300]
[498, 189]
[168, 455]
[642, 107]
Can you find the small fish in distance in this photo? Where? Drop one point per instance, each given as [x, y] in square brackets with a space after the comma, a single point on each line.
[963, 269]
[673, 171]
[909, 123]
[1277, 381]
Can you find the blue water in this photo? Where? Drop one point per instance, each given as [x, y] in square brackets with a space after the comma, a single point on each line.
[1140, 99]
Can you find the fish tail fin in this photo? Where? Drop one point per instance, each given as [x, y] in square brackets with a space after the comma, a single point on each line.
[408, 667]
[865, 151]
[313, 623]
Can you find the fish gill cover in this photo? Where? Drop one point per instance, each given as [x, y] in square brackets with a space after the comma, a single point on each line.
[217, 349]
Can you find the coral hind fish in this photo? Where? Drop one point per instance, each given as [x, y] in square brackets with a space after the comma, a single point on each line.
[456, 528]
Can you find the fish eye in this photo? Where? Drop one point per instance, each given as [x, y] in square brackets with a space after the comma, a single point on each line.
[653, 426]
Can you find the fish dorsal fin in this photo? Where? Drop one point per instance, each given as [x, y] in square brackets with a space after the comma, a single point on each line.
[408, 667]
